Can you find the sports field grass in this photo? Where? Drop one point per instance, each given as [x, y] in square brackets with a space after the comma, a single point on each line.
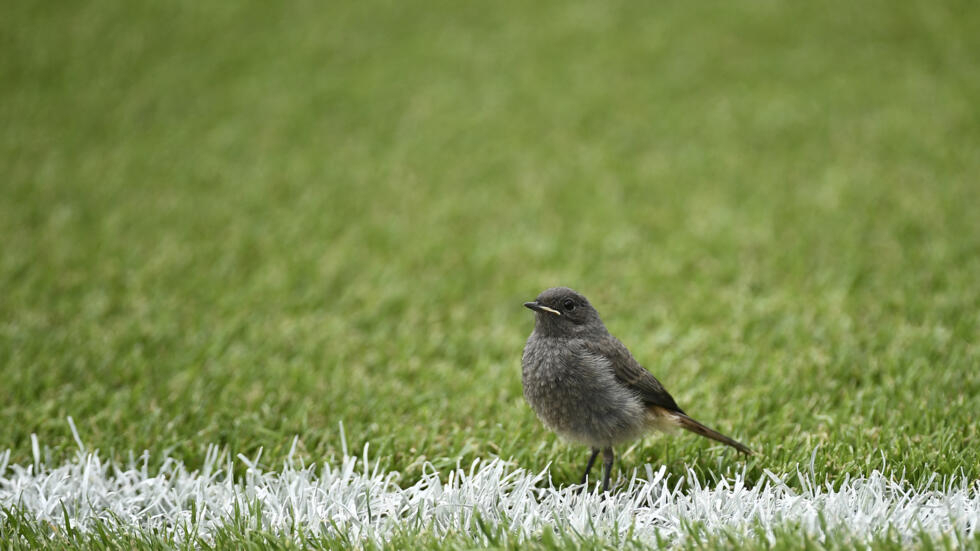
[235, 223]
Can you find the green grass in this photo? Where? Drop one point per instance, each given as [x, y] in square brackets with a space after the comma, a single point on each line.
[235, 223]
[22, 533]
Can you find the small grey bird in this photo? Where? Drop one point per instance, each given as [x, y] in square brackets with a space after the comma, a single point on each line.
[586, 386]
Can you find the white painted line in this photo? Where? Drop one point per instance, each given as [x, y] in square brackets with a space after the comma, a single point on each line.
[366, 503]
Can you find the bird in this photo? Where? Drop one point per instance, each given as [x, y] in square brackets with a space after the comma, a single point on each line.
[586, 386]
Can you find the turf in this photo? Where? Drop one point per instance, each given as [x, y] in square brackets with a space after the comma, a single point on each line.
[235, 223]
[240, 536]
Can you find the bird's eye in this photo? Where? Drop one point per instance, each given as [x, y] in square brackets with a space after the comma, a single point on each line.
[569, 304]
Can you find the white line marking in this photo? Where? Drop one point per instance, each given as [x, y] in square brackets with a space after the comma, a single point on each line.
[366, 503]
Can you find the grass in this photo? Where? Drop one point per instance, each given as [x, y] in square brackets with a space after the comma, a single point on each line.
[233, 224]
[24, 533]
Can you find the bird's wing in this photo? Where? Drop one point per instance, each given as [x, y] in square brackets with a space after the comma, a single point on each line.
[630, 373]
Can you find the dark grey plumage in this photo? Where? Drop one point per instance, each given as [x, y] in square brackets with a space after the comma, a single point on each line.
[586, 386]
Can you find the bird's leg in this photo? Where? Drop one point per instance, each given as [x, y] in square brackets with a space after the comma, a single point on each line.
[585, 475]
[607, 462]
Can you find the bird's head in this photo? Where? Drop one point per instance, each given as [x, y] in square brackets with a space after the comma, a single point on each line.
[563, 312]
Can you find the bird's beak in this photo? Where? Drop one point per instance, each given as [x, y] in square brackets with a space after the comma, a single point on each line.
[541, 308]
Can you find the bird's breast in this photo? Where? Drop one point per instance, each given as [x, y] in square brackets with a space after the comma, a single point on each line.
[577, 395]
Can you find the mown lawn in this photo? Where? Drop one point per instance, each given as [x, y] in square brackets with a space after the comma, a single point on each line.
[233, 223]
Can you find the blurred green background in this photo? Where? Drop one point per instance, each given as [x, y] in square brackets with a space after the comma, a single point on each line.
[236, 222]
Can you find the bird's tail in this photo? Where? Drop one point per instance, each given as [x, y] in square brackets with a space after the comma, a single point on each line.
[687, 423]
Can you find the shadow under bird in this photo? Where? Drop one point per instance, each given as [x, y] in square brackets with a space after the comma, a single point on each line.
[586, 386]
